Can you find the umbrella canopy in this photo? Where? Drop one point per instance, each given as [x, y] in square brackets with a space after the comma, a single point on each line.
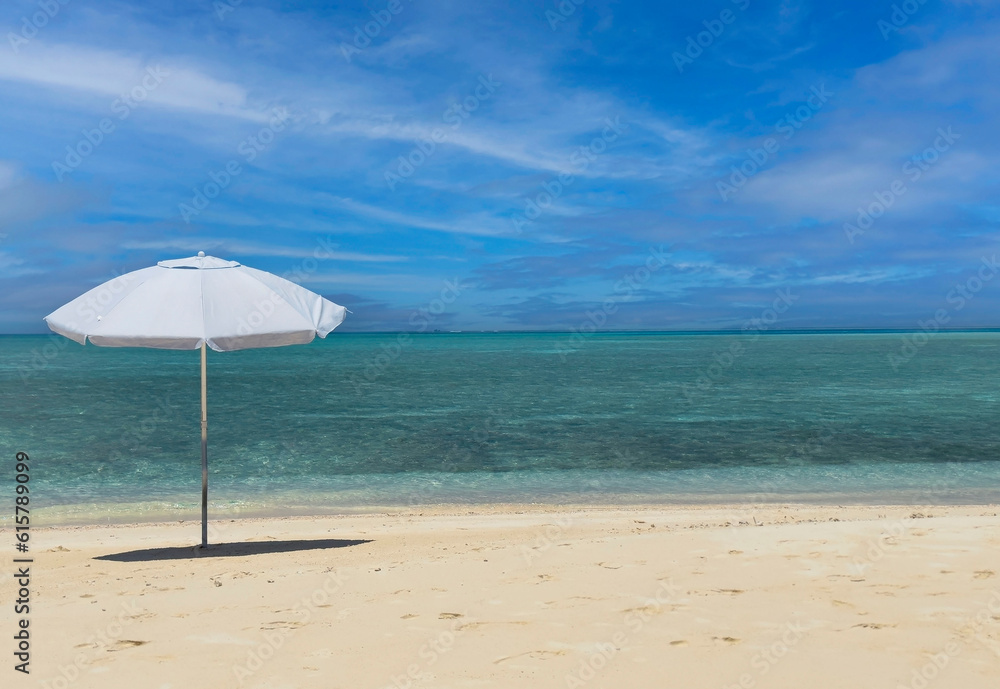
[187, 302]
[194, 303]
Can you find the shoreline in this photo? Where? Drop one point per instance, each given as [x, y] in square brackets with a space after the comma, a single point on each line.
[890, 484]
[483, 508]
[165, 513]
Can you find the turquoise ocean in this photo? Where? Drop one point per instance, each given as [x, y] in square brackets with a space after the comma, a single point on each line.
[361, 422]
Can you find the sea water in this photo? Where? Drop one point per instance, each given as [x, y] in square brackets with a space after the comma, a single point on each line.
[366, 421]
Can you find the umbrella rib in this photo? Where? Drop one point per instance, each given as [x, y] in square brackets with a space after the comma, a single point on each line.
[307, 316]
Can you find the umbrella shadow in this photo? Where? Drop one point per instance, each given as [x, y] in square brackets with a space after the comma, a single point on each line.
[229, 550]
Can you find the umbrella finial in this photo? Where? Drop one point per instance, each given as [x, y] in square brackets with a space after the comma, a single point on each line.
[201, 254]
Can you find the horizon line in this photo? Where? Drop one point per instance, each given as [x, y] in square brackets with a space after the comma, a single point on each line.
[723, 331]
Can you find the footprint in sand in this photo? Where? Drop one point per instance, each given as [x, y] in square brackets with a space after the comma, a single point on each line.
[873, 625]
[122, 644]
[726, 639]
[450, 615]
[645, 610]
[477, 625]
[679, 642]
[546, 654]
[984, 574]
[408, 616]
[539, 655]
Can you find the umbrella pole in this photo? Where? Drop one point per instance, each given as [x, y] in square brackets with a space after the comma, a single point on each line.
[204, 448]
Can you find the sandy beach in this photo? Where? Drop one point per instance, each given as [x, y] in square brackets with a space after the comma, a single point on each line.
[514, 596]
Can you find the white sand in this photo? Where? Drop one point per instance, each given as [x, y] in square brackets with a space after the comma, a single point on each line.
[527, 597]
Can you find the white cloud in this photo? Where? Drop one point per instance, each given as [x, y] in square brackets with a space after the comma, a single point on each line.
[866, 276]
[501, 147]
[167, 82]
[396, 218]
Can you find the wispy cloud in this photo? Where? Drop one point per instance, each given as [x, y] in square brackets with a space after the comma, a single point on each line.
[385, 215]
[165, 81]
[580, 228]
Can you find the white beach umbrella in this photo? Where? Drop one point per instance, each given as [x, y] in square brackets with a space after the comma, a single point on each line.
[189, 303]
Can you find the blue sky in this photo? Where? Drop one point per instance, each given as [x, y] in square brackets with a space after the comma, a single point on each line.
[524, 165]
